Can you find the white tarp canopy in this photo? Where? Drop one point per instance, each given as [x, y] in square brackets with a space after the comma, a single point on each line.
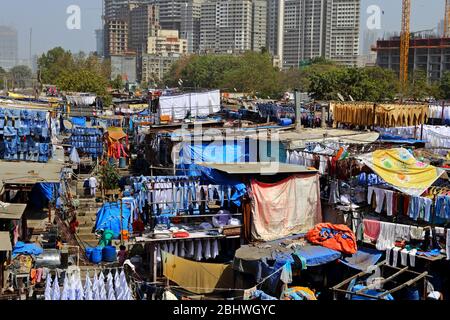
[199, 104]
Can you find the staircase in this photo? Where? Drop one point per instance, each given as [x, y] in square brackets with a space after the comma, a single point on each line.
[87, 213]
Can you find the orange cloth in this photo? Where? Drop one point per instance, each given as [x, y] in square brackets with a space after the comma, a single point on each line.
[116, 133]
[333, 236]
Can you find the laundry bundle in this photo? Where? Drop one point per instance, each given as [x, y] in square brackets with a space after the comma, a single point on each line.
[331, 236]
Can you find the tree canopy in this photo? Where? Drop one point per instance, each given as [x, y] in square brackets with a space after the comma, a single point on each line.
[75, 72]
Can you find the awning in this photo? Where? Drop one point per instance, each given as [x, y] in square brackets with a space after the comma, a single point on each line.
[116, 133]
[11, 211]
[257, 168]
[400, 169]
[5, 241]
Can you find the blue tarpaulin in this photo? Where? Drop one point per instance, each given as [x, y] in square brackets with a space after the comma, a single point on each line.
[398, 139]
[108, 218]
[317, 255]
[42, 193]
[363, 258]
[216, 152]
[78, 121]
[26, 248]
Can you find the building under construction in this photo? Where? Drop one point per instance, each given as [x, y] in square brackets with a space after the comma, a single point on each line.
[431, 54]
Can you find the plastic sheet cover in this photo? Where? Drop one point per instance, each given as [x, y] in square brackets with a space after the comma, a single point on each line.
[199, 104]
[108, 218]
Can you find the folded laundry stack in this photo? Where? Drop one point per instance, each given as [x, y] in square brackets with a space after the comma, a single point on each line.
[26, 135]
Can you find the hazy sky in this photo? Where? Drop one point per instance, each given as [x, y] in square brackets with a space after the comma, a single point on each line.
[48, 18]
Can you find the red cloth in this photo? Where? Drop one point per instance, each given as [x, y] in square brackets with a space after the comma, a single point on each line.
[372, 229]
[73, 226]
[181, 234]
[333, 236]
[138, 226]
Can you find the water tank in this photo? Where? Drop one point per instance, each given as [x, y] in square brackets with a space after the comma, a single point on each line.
[96, 256]
[109, 254]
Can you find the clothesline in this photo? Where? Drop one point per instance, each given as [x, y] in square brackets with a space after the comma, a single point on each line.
[217, 289]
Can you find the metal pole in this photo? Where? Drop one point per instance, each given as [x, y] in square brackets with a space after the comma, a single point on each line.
[298, 111]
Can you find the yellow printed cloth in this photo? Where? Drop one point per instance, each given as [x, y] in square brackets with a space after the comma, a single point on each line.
[195, 276]
[116, 133]
[399, 168]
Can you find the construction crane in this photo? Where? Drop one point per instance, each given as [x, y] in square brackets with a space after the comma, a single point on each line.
[447, 19]
[404, 43]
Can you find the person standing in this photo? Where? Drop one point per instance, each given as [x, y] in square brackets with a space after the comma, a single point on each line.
[93, 185]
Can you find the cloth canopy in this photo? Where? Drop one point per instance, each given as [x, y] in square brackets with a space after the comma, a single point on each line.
[400, 169]
[199, 104]
[116, 133]
[284, 208]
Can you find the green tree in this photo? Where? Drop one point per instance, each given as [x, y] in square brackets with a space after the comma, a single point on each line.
[418, 88]
[255, 74]
[362, 84]
[117, 83]
[444, 86]
[2, 76]
[84, 81]
[19, 75]
[53, 63]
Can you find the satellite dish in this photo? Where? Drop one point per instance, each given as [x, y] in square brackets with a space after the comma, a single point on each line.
[351, 98]
[340, 97]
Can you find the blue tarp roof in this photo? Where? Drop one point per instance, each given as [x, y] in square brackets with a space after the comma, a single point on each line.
[398, 139]
[108, 218]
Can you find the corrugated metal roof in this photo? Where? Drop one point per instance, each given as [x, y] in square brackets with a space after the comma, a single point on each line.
[257, 167]
[12, 211]
[5, 241]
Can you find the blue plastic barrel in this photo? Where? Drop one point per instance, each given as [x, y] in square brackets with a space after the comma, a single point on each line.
[112, 161]
[109, 254]
[89, 253]
[285, 122]
[96, 256]
[122, 163]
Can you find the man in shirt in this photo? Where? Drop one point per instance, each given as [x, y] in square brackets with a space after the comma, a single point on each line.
[93, 185]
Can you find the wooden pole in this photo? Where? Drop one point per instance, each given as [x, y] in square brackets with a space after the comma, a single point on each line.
[121, 224]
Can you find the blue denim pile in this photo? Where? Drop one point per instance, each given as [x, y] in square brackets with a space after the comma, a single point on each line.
[88, 141]
[26, 135]
[276, 111]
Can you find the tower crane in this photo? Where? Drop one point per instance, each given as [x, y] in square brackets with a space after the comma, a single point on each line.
[404, 42]
[447, 19]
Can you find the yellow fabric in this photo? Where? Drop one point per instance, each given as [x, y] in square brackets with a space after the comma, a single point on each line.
[16, 95]
[305, 292]
[383, 115]
[116, 133]
[400, 169]
[194, 276]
